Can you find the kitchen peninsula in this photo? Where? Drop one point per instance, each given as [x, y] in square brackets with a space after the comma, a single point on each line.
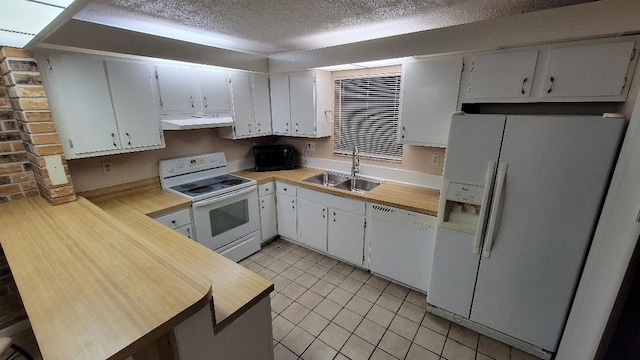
[107, 281]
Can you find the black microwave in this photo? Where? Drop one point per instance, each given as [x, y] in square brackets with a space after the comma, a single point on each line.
[274, 157]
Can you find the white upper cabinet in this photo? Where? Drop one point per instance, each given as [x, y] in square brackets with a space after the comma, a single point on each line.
[178, 88]
[502, 75]
[300, 102]
[135, 107]
[302, 97]
[261, 103]
[242, 105]
[428, 97]
[587, 71]
[214, 91]
[192, 90]
[280, 109]
[82, 93]
[101, 105]
[250, 107]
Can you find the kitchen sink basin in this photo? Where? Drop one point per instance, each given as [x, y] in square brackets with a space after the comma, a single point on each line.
[359, 185]
[328, 179]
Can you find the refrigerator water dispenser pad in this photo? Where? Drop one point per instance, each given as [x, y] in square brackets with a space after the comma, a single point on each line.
[463, 203]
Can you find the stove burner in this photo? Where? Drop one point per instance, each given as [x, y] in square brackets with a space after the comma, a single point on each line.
[231, 182]
[188, 186]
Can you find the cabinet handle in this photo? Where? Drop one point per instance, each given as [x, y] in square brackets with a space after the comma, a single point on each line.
[334, 216]
[296, 128]
[293, 204]
[259, 128]
[129, 136]
[249, 128]
[403, 132]
[550, 87]
[192, 104]
[286, 127]
[189, 233]
[113, 139]
[323, 214]
[206, 102]
[523, 83]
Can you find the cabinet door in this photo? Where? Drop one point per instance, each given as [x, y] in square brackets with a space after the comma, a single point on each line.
[346, 236]
[590, 70]
[504, 75]
[85, 102]
[261, 103]
[135, 108]
[280, 109]
[429, 96]
[312, 218]
[241, 105]
[268, 218]
[178, 89]
[287, 216]
[303, 104]
[214, 91]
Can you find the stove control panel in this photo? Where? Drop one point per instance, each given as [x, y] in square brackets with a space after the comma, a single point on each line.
[190, 164]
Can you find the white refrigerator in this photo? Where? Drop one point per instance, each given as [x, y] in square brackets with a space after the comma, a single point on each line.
[519, 202]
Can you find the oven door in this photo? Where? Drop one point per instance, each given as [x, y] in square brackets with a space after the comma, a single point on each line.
[223, 219]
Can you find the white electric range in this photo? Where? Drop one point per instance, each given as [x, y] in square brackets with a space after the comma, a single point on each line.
[225, 206]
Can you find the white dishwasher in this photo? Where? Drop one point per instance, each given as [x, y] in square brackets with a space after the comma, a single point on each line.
[402, 244]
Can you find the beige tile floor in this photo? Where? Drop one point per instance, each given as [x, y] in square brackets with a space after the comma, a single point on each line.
[325, 309]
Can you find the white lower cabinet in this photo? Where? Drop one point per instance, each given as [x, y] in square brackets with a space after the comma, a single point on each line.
[346, 235]
[268, 212]
[179, 220]
[312, 221]
[286, 210]
[332, 224]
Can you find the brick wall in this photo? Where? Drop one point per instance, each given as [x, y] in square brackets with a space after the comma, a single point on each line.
[41, 152]
[17, 180]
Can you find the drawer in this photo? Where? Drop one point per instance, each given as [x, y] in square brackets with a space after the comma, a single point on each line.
[284, 188]
[176, 219]
[266, 189]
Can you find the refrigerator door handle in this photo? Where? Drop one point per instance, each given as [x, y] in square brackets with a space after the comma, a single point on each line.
[488, 184]
[495, 210]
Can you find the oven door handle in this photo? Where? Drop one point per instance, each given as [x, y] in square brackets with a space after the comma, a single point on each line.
[216, 199]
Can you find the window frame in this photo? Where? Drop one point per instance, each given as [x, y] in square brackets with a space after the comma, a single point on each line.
[339, 150]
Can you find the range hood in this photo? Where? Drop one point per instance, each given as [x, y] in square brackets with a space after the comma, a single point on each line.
[187, 122]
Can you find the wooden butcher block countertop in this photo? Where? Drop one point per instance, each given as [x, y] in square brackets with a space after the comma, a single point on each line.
[408, 197]
[105, 281]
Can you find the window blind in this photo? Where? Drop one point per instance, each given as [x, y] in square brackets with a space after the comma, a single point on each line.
[366, 115]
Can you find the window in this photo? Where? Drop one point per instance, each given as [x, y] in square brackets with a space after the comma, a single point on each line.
[366, 115]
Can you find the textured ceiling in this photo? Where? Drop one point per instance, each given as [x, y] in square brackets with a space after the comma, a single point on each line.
[275, 26]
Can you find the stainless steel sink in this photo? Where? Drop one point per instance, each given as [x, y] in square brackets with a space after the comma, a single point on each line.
[358, 185]
[328, 179]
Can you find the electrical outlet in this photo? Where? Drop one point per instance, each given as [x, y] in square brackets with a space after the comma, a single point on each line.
[311, 146]
[107, 167]
[435, 159]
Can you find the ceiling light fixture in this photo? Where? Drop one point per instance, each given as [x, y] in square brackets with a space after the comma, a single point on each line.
[23, 20]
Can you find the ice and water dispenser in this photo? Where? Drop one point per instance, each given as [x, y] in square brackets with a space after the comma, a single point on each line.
[463, 206]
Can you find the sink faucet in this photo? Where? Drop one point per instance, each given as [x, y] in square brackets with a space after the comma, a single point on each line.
[355, 165]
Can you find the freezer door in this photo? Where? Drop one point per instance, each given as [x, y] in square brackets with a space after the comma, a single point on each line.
[557, 171]
[474, 142]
